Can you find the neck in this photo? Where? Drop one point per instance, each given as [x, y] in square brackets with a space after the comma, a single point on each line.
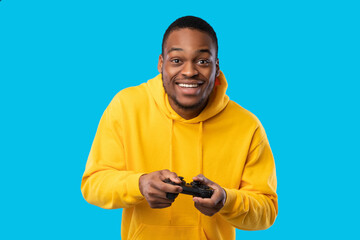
[187, 113]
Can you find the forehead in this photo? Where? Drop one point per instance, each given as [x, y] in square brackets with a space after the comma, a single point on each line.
[189, 40]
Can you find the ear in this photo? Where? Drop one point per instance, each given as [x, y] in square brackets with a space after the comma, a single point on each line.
[160, 63]
[217, 68]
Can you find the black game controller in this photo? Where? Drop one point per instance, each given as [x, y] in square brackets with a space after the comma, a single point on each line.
[194, 188]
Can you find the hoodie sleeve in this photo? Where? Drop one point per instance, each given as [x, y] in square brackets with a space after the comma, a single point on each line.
[106, 182]
[254, 205]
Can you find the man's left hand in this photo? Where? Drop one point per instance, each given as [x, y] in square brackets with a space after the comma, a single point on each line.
[210, 206]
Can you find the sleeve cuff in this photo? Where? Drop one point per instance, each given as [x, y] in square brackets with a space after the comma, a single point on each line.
[230, 200]
[133, 186]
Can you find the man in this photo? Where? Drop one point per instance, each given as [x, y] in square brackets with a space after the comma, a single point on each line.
[181, 123]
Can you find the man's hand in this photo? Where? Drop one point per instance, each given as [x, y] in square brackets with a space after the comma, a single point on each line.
[210, 206]
[153, 188]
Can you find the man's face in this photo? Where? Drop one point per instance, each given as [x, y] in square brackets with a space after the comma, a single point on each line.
[189, 67]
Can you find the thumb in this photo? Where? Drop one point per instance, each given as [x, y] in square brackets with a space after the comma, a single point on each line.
[201, 178]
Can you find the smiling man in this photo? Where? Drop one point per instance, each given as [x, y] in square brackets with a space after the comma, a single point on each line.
[181, 123]
[189, 66]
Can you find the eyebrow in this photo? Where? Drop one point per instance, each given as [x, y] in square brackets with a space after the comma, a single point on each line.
[204, 50]
[175, 49]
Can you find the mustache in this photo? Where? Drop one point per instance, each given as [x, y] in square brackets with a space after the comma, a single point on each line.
[187, 78]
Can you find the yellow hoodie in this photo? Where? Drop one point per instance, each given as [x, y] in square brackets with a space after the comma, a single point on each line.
[139, 133]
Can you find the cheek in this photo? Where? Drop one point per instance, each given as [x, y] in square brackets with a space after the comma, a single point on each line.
[208, 73]
[167, 80]
[210, 86]
[171, 74]
[170, 71]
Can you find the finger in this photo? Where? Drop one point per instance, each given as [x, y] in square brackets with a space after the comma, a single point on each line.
[206, 211]
[166, 174]
[162, 188]
[161, 205]
[201, 178]
[167, 187]
[209, 202]
[156, 196]
[218, 195]
[155, 193]
[216, 203]
[175, 178]
[163, 174]
[160, 200]
[204, 202]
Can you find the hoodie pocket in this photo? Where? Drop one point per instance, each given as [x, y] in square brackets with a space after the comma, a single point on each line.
[151, 232]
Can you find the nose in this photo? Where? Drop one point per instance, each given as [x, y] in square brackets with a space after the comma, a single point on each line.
[189, 70]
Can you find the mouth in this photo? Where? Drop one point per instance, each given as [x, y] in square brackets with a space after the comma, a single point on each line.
[189, 85]
[189, 88]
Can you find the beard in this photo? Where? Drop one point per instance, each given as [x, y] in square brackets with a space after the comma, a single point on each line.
[187, 107]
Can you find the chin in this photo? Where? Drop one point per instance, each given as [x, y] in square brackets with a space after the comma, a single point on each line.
[188, 105]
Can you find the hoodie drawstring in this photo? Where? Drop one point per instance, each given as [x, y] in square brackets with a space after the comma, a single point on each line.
[201, 165]
[201, 147]
[200, 158]
[171, 143]
[171, 159]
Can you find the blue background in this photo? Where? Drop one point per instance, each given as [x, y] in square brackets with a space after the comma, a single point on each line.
[295, 64]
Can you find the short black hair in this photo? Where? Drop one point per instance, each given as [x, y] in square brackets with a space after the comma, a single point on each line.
[191, 22]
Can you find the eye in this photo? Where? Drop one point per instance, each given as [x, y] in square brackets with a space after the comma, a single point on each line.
[203, 61]
[175, 60]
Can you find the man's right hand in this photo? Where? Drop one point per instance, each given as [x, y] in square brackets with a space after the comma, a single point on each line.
[153, 188]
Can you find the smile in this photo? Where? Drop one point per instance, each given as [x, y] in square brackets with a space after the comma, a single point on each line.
[188, 85]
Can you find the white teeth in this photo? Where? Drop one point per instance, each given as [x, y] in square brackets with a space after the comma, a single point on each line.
[188, 85]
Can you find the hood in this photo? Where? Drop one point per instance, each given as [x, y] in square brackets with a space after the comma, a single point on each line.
[217, 101]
